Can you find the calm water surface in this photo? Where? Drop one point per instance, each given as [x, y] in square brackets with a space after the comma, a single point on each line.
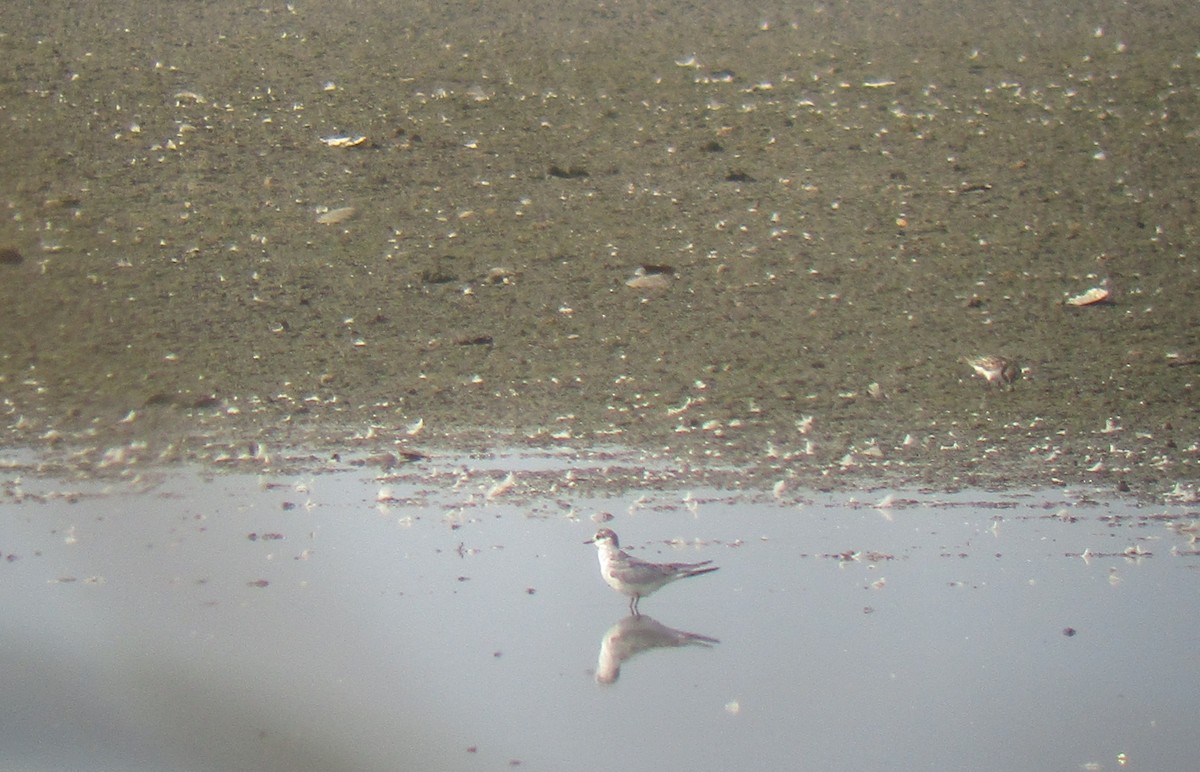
[450, 617]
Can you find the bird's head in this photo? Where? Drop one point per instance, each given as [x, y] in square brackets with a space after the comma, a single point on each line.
[604, 536]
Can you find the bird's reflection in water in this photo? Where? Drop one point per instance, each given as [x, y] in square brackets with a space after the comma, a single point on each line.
[633, 635]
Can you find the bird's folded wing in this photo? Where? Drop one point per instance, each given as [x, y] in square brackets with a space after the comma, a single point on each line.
[685, 567]
[638, 572]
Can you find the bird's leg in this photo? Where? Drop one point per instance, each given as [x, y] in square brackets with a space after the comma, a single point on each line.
[633, 605]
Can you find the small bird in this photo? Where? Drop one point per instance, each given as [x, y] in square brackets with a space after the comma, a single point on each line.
[637, 578]
[996, 370]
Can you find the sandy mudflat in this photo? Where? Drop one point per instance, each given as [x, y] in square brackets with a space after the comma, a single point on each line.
[847, 204]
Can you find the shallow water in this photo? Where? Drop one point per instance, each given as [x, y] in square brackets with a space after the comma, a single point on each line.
[448, 616]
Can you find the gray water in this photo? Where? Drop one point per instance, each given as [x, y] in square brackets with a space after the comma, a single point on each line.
[449, 617]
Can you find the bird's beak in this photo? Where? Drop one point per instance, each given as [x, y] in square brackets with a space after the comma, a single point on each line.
[590, 541]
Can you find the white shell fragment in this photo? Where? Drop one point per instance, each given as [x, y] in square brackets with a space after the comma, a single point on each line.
[995, 369]
[500, 275]
[335, 216]
[1093, 296]
[185, 97]
[344, 140]
[650, 277]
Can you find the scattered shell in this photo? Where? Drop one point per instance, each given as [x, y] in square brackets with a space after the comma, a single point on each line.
[569, 173]
[995, 369]
[502, 487]
[1174, 359]
[654, 281]
[500, 275]
[1100, 294]
[344, 140]
[335, 216]
[188, 96]
[651, 277]
[478, 93]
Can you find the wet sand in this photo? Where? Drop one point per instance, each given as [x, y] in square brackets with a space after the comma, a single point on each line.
[848, 204]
